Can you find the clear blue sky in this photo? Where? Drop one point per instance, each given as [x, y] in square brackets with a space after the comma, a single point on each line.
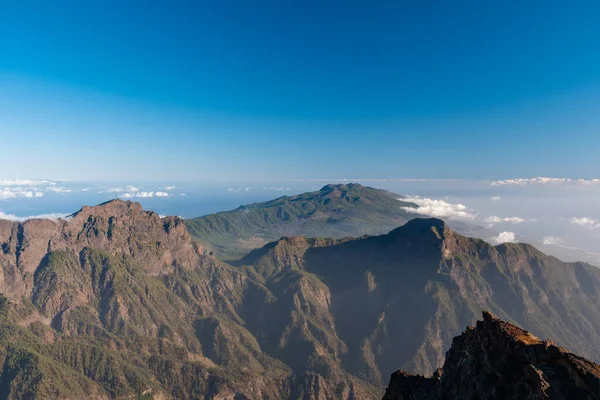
[242, 90]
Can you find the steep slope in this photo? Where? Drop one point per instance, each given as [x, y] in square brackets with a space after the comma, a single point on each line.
[116, 302]
[334, 211]
[398, 299]
[497, 360]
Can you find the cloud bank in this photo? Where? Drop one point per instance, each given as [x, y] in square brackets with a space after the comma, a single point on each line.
[492, 220]
[585, 222]
[143, 195]
[550, 240]
[438, 208]
[12, 217]
[119, 189]
[504, 237]
[541, 180]
[26, 182]
[15, 193]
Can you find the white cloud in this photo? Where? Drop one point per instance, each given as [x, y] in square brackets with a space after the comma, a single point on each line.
[278, 189]
[541, 180]
[514, 220]
[495, 198]
[550, 240]
[17, 192]
[168, 188]
[493, 220]
[59, 189]
[238, 190]
[143, 195]
[52, 216]
[496, 220]
[127, 189]
[437, 208]
[588, 181]
[25, 182]
[30, 188]
[504, 237]
[585, 222]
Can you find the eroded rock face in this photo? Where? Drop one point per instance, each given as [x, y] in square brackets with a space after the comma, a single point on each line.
[120, 227]
[115, 301]
[497, 360]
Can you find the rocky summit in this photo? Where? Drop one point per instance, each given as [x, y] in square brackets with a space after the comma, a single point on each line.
[496, 360]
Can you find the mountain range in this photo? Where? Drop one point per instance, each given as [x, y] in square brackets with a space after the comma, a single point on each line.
[117, 302]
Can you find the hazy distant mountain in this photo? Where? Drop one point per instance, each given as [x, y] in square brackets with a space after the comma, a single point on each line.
[119, 303]
[334, 211]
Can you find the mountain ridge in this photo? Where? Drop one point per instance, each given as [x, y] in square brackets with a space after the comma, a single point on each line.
[127, 304]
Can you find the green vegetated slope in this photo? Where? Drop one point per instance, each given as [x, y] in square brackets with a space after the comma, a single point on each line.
[120, 303]
[334, 211]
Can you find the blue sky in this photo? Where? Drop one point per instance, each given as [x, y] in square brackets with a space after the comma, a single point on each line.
[239, 91]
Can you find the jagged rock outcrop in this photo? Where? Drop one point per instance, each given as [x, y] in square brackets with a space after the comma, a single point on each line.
[496, 360]
[117, 226]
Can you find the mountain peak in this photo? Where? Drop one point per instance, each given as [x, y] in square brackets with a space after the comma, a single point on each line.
[117, 226]
[335, 211]
[498, 360]
[423, 226]
[112, 207]
[340, 186]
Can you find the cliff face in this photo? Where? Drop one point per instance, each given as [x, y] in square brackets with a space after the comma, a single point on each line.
[116, 302]
[118, 227]
[498, 360]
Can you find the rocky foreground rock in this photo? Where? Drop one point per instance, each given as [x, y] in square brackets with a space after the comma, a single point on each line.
[497, 360]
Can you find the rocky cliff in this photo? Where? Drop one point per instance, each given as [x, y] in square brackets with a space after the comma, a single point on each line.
[117, 302]
[497, 360]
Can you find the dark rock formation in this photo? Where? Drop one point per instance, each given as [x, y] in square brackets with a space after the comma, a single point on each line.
[497, 360]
